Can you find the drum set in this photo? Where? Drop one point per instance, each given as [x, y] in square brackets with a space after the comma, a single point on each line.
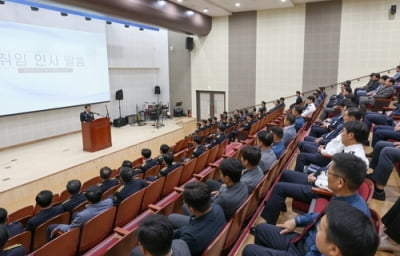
[153, 111]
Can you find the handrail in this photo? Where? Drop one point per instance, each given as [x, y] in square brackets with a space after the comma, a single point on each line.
[325, 87]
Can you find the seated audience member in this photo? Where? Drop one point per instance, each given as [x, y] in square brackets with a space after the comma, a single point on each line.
[384, 132]
[263, 107]
[218, 138]
[390, 241]
[164, 149]
[384, 92]
[158, 228]
[13, 250]
[289, 132]
[14, 228]
[299, 98]
[73, 188]
[148, 162]
[385, 155]
[207, 221]
[129, 186]
[299, 186]
[346, 231]
[278, 147]
[252, 174]
[268, 157]
[299, 122]
[309, 107]
[321, 155]
[345, 176]
[335, 100]
[107, 181]
[44, 200]
[232, 193]
[95, 206]
[199, 148]
[170, 165]
[249, 123]
[372, 84]
[381, 119]
[127, 163]
[324, 127]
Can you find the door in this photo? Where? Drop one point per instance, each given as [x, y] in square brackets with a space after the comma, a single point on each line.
[210, 104]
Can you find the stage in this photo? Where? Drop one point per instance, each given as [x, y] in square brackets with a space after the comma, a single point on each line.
[49, 164]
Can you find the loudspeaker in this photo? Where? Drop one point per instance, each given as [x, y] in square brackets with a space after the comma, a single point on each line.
[393, 9]
[157, 89]
[178, 112]
[118, 122]
[189, 43]
[119, 95]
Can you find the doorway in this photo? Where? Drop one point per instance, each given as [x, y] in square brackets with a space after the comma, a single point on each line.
[209, 104]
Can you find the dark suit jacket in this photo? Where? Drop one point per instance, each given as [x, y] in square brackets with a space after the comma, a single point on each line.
[128, 189]
[385, 92]
[42, 216]
[86, 116]
[200, 149]
[217, 140]
[15, 228]
[13, 250]
[73, 201]
[148, 164]
[107, 184]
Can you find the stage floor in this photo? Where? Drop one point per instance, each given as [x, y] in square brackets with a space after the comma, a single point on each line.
[37, 161]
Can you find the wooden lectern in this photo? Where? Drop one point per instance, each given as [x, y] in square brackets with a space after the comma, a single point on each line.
[96, 135]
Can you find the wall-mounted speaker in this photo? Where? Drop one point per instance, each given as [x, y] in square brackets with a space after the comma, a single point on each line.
[393, 9]
[189, 43]
[157, 89]
[119, 95]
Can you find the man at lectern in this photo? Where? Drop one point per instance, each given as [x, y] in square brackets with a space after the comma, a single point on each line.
[87, 115]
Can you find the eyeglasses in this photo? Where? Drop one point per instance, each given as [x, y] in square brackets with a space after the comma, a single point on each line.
[334, 174]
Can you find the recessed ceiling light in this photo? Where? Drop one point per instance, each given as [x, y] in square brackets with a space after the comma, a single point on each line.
[179, 1]
[161, 3]
[205, 10]
[189, 13]
[283, 1]
[237, 4]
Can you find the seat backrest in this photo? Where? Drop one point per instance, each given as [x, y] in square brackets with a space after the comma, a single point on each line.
[171, 181]
[366, 190]
[124, 246]
[201, 162]
[237, 223]
[64, 195]
[65, 244]
[188, 169]
[137, 162]
[39, 237]
[129, 208]
[153, 192]
[153, 171]
[24, 238]
[376, 220]
[178, 156]
[110, 191]
[215, 248]
[90, 182]
[22, 215]
[96, 229]
[221, 149]
[212, 154]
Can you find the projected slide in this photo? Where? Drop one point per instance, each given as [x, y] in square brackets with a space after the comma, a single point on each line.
[46, 68]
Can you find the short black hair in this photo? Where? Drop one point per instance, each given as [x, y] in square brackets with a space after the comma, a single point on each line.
[298, 92]
[359, 129]
[354, 112]
[277, 131]
[93, 194]
[312, 98]
[384, 77]
[197, 139]
[252, 154]
[3, 236]
[146, 153]
[105, 172]
[3, 216]
[168, 158]
[290, 118]
[197, 195]
[125, 173]
[164, 148]
[352, 168]
[392, 80]
[221, 128]
[44, 198]
[350, 229]
[298, 109]
[87, 105]
[127, 163]
[74, 186]
[265, 138]
[231, 167]
[155, 234]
